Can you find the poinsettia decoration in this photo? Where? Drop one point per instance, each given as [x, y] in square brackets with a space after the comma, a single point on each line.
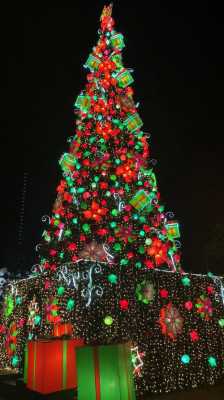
[125, 233]
[171, 321]
[96, 212]
[158, 251]
[93, 251]
[204, 307]
[127, 171]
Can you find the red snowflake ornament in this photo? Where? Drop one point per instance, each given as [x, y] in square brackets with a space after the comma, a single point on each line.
[171, 321]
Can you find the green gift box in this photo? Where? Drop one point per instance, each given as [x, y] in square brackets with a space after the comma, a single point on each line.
[151, 176]
[124, 78]
[83, 103]
[67, 162]
[117, 41]
[117, 59]
[105, 373]
[92, 63]
[173, 231]
[140, 200]
[133, 122]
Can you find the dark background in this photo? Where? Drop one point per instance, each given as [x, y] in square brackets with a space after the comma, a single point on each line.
[175, 50]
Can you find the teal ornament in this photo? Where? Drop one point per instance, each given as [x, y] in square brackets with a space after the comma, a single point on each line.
[15, 361]
[70, 304]
[185, 359]
[212, 362]
[112, 278]
[61, 291]
[124, 261]
[18, 300]
[37, 320]
[186, 281]
[221, 322]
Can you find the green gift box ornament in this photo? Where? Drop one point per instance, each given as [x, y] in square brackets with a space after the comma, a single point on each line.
[140, 200]
[105, 373]
[117, 59]
[117, 41]
[83, 103]
[92, 63]
[133, 122]
[124, 78]
[173, 231]
[67, 162]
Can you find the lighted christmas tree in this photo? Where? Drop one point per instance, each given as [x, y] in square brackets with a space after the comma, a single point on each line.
[109, 251]
[108, 205]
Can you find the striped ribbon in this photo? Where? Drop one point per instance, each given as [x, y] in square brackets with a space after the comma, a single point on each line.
[64, 364]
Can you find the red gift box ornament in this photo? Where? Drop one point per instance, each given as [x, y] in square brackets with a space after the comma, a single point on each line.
[60, 330]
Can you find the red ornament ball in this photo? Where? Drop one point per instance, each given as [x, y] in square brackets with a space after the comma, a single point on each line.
[123, 304]
[163, 293]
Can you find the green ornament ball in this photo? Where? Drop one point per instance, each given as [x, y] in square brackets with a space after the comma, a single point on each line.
[221, 322]
[70, 304]
[112, 278]
[61, 291]
[124, 261]
[114, 212]
[86, 228]
[117, 246]
[108, 320]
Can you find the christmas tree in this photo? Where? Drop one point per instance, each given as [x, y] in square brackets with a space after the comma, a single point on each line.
[109, 251]
[108, 205]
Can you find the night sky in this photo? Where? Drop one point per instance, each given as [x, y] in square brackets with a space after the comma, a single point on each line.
[176, 52]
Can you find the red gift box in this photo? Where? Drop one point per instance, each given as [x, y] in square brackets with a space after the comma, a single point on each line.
[51, 365]
[62, 329]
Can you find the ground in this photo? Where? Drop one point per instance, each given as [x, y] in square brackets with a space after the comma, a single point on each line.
[11, 388]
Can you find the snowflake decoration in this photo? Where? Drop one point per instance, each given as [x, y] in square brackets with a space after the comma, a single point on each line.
[171, 321]
[145, 292]
[93, 251]
[204, 307]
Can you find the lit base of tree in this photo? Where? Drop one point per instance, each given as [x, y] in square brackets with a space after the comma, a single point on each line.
[174, 322]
